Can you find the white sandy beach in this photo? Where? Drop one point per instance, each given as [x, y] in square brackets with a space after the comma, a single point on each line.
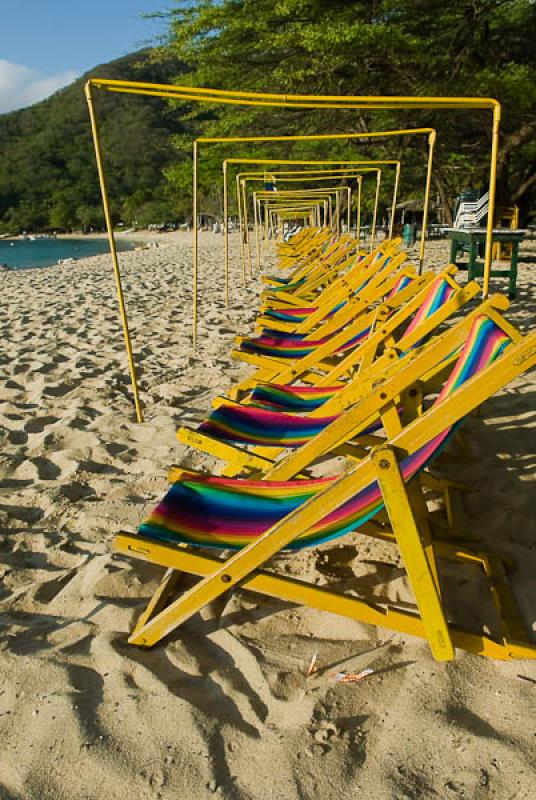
[223, 707]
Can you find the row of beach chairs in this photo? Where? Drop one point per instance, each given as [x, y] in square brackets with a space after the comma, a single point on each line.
[358, 360]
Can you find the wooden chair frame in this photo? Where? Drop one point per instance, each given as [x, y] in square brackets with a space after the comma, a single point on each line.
[409, 529]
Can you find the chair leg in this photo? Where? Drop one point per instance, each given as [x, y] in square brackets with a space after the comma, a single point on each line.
[160, 599]
[420, 573]
[184, 560]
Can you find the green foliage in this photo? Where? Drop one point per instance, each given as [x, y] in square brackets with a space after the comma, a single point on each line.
[48, 177]
[362, 47]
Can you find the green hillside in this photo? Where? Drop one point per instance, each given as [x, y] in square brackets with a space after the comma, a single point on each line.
[48, 178]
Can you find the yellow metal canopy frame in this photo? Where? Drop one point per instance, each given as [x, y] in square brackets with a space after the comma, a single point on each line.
[241, 190]
[322, 197]
[274, 205]
[265, 198]
[295, 162]
[315, 175]
[321, 137]
[260, 196]
[273, 100]
[306, 175]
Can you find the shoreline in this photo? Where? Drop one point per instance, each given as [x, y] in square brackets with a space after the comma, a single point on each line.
[125, 243]
[140, 233]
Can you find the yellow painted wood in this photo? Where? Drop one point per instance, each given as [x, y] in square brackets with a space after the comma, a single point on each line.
[298, 591]
[417, 567]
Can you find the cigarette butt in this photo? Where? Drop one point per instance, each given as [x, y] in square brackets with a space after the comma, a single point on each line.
[312, 665]
[353, 677]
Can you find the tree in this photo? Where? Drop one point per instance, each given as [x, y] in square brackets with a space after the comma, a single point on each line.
[417, 47]
[48, 162]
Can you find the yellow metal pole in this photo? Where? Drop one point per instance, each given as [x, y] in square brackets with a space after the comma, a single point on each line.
[208, 95]
[358, 221]
[194, 246]
[226, 233]
[375, 214]
[261, 229]
[393, 207]
[349, 209]
[246, 227]
[240, 226]
[266, 222]
[338, 213]
[426, 207]
[256, 224]
[491, 206]
[113, 252]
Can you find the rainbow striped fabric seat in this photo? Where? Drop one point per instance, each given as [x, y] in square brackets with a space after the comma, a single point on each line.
[288, 286]
[267, 420]
[278, 279]
[232, 512]
[289, 314]
[299, 399]
[440, 292]
[259, 426]
[284, 345]
[298, 315]
[262, 426]
[294, 346]
[402, 282]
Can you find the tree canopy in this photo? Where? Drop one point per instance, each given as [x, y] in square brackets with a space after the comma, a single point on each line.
[48, 177]
[362, 47]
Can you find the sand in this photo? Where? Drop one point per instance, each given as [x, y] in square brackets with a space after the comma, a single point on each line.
[223, 708]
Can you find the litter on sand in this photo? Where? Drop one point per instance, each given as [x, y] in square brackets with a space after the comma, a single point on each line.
[352, 677]
[312, 665]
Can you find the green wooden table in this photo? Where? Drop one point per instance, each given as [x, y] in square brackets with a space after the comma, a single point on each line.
[468, 240]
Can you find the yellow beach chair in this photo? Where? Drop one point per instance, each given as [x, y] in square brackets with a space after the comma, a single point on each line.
[267, 421]
[343, 272]
[427, 300]
[262, 518]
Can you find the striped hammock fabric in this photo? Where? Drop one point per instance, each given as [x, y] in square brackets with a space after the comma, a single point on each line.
[232, 512]
[289, 314]
[287, 286]
[292, 346]
[261, 426]
[298, 314]
[273, 425]
[280, 344]
[292, 398]
[402, 282]
[440, 291]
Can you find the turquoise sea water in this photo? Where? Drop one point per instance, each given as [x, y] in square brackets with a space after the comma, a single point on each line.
[27, 253]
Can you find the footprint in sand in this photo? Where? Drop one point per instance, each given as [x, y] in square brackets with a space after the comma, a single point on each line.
[38, 424]
[57, 390]
[17, 437]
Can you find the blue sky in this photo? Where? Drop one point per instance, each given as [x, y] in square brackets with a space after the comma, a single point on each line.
[46, 44]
